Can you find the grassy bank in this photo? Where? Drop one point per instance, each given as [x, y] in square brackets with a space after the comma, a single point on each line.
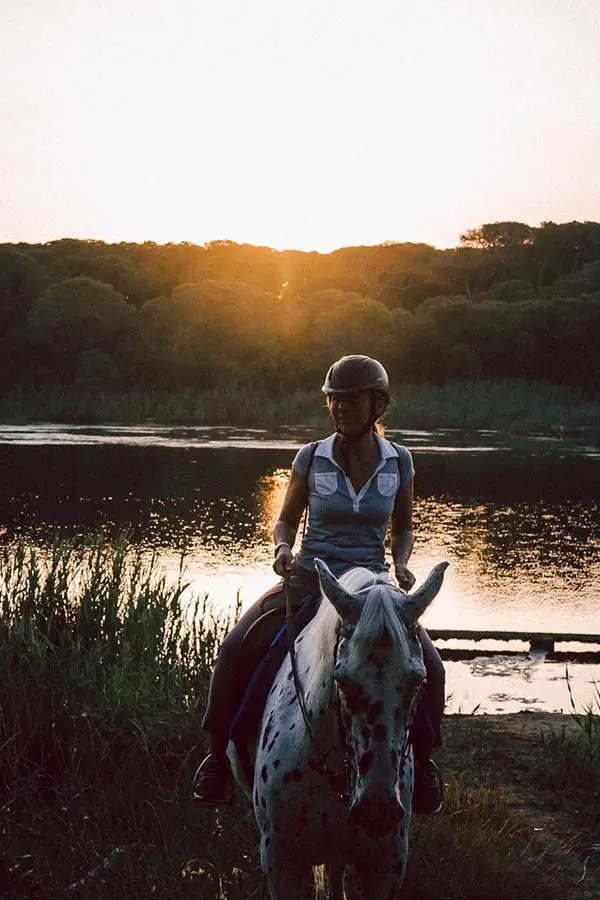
[99, 665]
[518, 406]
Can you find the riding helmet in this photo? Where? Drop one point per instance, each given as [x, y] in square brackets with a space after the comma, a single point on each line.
[356, 373]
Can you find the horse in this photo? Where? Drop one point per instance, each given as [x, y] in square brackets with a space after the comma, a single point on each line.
[333, 774]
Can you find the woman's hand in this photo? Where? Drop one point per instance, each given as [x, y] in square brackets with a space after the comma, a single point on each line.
[404, 577]
[284, 561]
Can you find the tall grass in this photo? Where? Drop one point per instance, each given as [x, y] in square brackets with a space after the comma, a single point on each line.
[101, 662]
[513, 406]
[480, 848]
[518, 406]
[571, 761]
[228, 405]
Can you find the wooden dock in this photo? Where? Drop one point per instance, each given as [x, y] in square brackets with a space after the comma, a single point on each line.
[540, 643]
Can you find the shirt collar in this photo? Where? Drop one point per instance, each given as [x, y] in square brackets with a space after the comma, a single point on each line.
[325, 447]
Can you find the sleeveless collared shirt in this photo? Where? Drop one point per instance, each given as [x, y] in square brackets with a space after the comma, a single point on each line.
[346, 528]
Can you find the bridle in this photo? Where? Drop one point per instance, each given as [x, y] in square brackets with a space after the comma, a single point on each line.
[341, 781]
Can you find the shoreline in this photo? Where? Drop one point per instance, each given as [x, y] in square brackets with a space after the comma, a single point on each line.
[526, 721]
[514, 406]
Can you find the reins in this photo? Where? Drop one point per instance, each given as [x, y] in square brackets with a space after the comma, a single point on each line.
[291, 636]
[289, 618]
[340, 781]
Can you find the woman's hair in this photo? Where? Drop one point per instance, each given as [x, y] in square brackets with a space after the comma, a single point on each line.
[378, 424]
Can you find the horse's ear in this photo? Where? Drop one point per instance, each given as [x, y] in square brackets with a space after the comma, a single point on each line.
[413, 605]
[344, 603]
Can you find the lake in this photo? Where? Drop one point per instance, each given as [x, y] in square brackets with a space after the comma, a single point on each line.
[517, 518]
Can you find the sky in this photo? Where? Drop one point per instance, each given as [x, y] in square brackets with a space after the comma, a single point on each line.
[310, 125]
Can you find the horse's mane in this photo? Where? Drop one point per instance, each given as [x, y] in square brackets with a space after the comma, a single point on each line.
[318, 647]
[378, 617]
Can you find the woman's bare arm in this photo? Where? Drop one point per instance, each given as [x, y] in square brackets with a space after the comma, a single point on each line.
[286, 527]
[402, 535]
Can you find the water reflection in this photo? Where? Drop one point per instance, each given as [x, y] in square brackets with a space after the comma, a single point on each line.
[512, 567]
[270, 494]
[509, 684]
[517, 520]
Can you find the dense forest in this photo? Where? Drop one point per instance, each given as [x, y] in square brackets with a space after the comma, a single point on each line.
[512, 301]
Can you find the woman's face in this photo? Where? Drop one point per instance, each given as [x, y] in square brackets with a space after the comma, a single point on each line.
[350, 411]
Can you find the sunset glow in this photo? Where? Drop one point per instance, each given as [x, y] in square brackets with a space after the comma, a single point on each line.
[296, 125]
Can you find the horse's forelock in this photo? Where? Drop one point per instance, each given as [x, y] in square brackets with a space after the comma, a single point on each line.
[378, 616]
[358, 579]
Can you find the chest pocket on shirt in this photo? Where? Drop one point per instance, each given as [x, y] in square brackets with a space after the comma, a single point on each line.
[387, 483]
[326, 483]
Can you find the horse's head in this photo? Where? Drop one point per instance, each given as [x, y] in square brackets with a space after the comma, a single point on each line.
[378, 670]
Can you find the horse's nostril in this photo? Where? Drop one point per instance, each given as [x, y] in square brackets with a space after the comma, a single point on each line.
[361, 812]
[378, 818]
[395, 814]
[355, 814]
[399, 814]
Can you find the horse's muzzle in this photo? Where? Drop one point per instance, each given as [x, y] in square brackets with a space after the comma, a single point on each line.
[378, 817]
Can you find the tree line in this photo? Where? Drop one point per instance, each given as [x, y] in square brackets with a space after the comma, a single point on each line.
[511, 301]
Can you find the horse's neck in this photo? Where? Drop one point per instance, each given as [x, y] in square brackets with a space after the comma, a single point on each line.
[315, 659]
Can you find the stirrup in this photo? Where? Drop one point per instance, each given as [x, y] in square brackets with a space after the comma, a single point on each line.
[213, 782]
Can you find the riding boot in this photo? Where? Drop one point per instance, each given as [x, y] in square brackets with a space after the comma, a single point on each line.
[428, 791]
[426, 732]
[213, 783]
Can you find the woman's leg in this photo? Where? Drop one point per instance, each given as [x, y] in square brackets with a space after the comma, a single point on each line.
[213, 783]
[426, 731]
[228, 683]
[435, 690]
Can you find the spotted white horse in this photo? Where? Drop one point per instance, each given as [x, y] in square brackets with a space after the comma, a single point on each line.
[333, 777]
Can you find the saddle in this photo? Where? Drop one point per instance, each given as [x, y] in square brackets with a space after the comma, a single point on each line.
[260, 634]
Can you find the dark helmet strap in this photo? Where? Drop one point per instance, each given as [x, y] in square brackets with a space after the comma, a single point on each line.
[354, 438]
[351, 439]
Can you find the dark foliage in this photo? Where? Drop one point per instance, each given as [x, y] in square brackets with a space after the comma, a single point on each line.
[511, 301]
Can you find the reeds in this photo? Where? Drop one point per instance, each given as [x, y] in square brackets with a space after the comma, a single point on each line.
[571, 760]
[101, 663]
[516, 406]
[513, 406]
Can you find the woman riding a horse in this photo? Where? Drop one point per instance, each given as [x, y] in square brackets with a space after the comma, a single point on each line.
[356, 485]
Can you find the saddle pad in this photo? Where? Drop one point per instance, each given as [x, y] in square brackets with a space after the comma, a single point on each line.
[246, 723]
